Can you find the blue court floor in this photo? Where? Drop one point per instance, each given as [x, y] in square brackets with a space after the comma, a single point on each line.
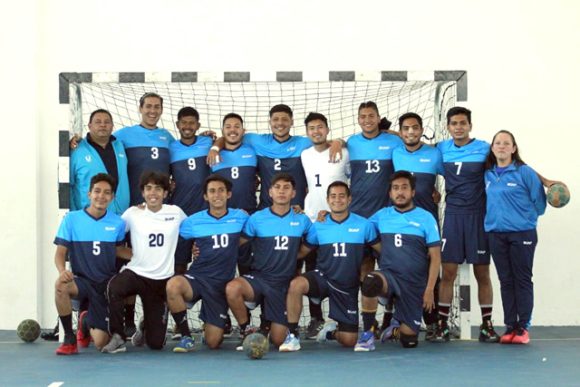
[551, 359]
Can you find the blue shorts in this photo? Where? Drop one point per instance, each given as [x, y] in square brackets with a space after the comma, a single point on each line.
[464, 239]
[273, 293]
[409, 304]
[214, 305]
[94, 293]
[343, 302]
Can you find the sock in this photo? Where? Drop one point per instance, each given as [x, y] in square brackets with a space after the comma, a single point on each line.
[368, 319]
[293, 328]
[85, 327]
[444, 311]
[315, 311]
[129, 314]
[243, 327]
[69, 336]
[486, 312]
[180, 319]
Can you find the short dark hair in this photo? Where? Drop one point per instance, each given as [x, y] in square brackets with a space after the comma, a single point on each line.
[491, 160]
[232, 115]
[284, 177]
[315, 116]
[458, 110]
[149, 95]
[338, 183]
[103, 177]
[216, 177]
[403, 175]
[281, 108]
[187, 111]
[157, 178]
[100, 111]
[369, 105]
[410, 115]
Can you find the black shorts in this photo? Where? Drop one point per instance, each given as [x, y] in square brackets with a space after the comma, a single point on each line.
[214, 306]
[272, 294]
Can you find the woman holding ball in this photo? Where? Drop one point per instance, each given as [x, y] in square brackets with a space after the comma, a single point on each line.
[515, 199]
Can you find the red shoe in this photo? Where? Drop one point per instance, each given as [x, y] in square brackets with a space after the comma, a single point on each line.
[67, 349]
[508, 336]
[522, 337]
[82, 340]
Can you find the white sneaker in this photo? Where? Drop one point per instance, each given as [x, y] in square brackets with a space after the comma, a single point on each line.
[291, 344]
[115, 345]
[328, 327]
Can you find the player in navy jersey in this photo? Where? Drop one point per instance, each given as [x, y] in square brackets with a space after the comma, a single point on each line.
[189, 171]
[516, 199]
[371, 166]
[463, 236]
[99, 152]
[425, 163]
[238, 164]
[340, 240]
[216, 232]
[409, 262]
[146, 145]
[92, 238]
[276, 233]
[279, 152]
[154, 233]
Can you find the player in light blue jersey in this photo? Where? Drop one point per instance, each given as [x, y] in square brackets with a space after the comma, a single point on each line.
[516, 199]
[146, 145]
[276, 234]
[99, 152]
[409, 262]
[92, 238]
[340, 241]
[238, 164]
[425, 163]
[279, 152]
[216, 232]
[189, 170]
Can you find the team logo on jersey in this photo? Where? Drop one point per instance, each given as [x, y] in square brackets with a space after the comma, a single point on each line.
[353, 229]
[231, 221]
[294, 223]
[169, 219]
[351, 311]
[527, 243]
[512, 185]
[246, 156]
[414, 224]
[88, 158]
[481, 252]
[162, 138]
[291, 149]
[384, 147]
[108, 228]
[424, 160]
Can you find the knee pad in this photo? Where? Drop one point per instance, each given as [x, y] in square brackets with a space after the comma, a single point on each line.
[409, 341]
[371, 285]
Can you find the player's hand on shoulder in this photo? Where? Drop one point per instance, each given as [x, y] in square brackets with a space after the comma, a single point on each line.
[74, 141]
[213, 157]
[321, 217]
[335, 151]
[140, 206]
[297, 209]
[209, 133]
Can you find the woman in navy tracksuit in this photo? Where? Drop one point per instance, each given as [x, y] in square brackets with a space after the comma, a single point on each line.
[515, 199]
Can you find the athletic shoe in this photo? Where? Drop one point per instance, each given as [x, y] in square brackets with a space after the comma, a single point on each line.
[130, 330]
[430, 331]
[187, 344]
[327, 328]
[487, 334]
[291, 344]
[392, 332]
[138, 338]
[83, 340]
[442, 333]
[366, 342]
[51, 335]
[521, 337]
[115, 345]
[314, 328]
[67, 349]
[508, 336]
[249, 330]
[175, 334]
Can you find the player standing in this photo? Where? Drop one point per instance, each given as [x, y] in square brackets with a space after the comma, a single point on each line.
[340, 239]
[216, 232]
[276, 233]
[516, 199]
[154, 233]
[409, 262]
[91, 238]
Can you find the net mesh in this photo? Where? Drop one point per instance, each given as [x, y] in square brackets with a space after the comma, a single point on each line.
[339, 101]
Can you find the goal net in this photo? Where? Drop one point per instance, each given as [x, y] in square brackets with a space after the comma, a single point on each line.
[338, 100]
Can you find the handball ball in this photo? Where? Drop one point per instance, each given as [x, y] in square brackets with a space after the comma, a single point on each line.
[28, 330]
[558, 195]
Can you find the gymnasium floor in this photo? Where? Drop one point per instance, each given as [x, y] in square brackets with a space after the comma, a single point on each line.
[552, 358]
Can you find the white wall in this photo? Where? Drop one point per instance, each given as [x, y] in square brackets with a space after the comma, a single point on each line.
[521, 58]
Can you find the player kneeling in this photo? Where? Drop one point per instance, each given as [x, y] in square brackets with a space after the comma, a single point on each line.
[340, 239]
[217, 235]
[410, 257]
[91, 238]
